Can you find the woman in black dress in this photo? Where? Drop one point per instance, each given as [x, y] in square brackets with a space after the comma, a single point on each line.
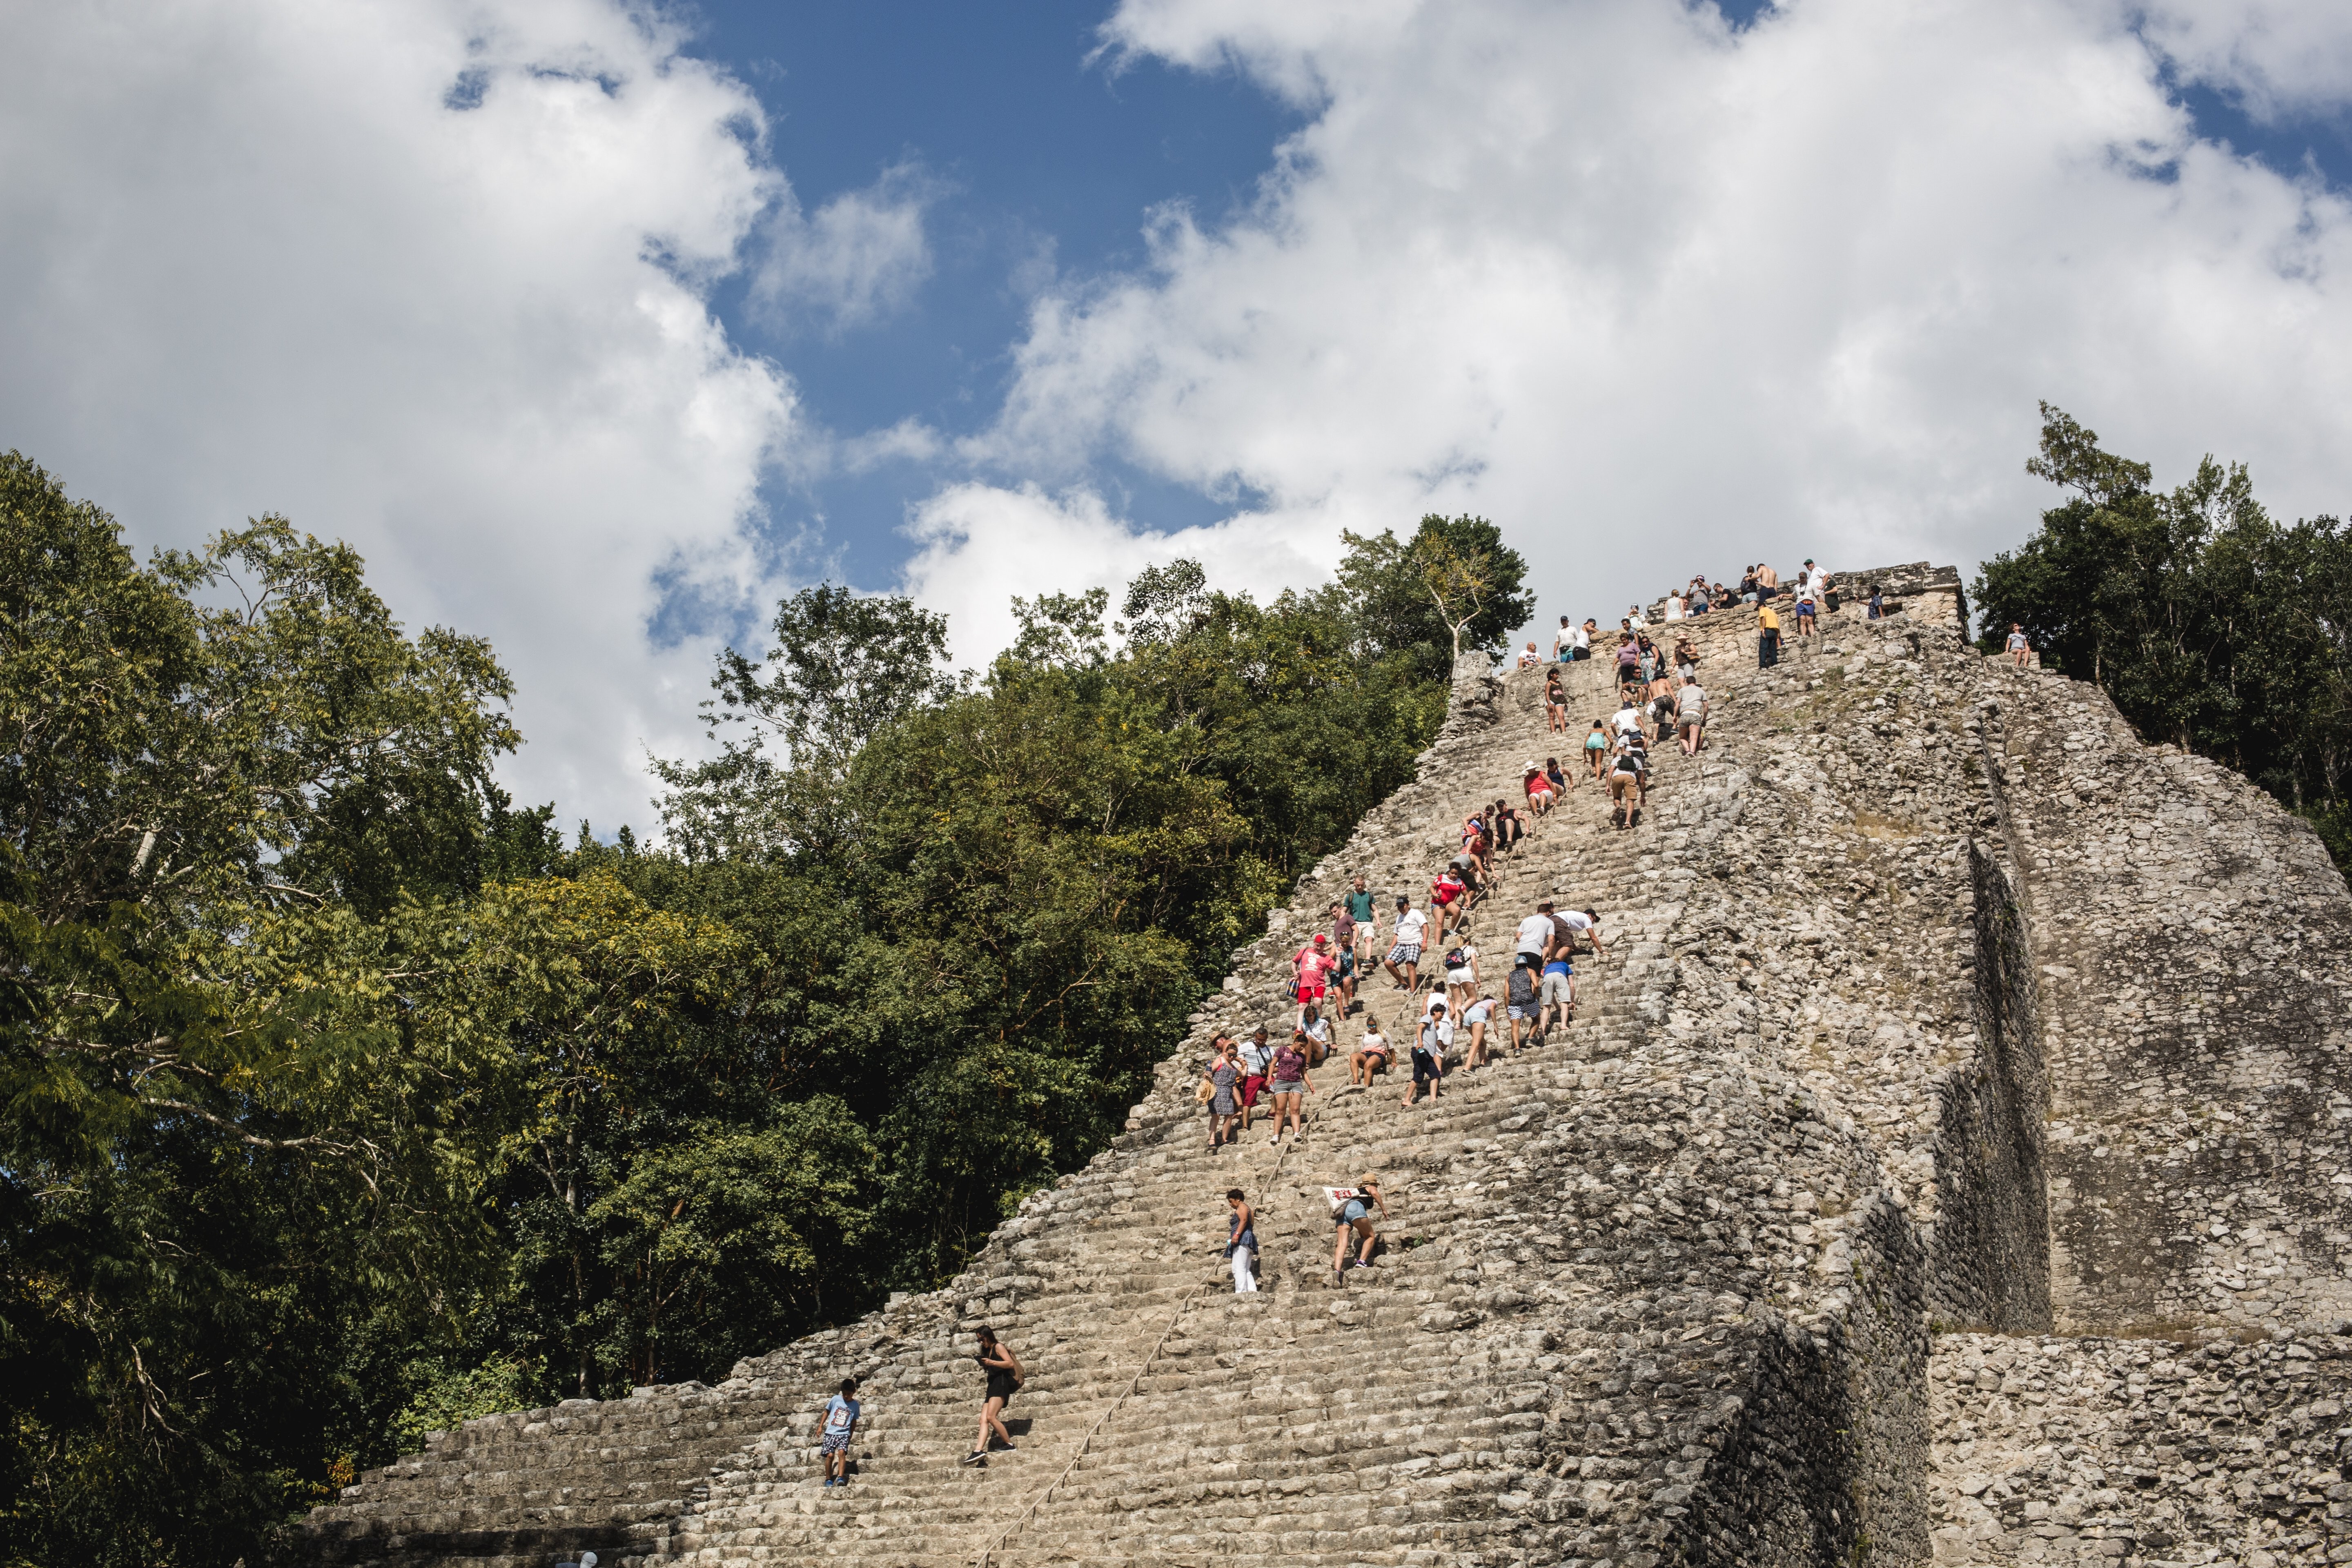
[1003, 1370]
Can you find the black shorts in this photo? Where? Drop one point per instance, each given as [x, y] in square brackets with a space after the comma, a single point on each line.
[1424, 1067]
[1002, 1385]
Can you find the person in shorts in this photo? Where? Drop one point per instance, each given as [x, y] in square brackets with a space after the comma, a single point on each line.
[1625, 777]
[1519, 1003]
[1256, 1058]
[2019, 648]
[1433, 1037]
[1317, 1031]
[1446, 891]
[1556, 997]
[1004, 1375]
[1404, 957]
[1558, 777]
[1353, 1218]
[1690, 714]
[1478, 1017]
[841, 1412]
[1364, 910]
[1540, 794]
[1312, 965]
[1460, 972]
[1596, 749]
[1291, 1087]
[1371, 1054]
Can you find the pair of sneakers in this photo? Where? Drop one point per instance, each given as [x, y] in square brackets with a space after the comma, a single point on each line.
[836, 1481]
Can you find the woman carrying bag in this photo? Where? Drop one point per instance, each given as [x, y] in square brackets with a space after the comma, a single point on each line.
[1004, 1376]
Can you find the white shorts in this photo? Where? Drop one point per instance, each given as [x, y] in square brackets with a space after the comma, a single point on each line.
[1459, 976]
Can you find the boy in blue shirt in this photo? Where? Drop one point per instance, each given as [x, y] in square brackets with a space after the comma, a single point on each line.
[840, 1420]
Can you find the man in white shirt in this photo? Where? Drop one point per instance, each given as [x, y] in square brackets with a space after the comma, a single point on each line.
[1563, 647]
[1404, 958]
[1627, 721]
[1535, 933]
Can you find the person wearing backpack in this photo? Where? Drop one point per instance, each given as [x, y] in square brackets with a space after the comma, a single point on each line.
[1004, 1379]
[1519, 997]
[1461, 970]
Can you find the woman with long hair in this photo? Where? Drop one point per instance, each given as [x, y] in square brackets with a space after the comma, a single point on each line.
[1003, 1369]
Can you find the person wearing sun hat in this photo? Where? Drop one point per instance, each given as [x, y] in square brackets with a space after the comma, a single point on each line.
[1540, 791]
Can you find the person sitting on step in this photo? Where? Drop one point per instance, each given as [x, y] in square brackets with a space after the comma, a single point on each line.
[1371, 1054]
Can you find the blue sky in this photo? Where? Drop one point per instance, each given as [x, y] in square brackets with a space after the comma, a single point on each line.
[1042, 157]
[1046, 153]
[499, 291]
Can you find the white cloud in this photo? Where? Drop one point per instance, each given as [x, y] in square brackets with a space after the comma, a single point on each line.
[2280, 58]
[858, 257]
[1658, 297]
[257, 255]
[981, 544]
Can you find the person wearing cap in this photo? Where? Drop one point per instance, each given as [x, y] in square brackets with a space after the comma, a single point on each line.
[1540, 791]
[1312, 964]
[1563, 643]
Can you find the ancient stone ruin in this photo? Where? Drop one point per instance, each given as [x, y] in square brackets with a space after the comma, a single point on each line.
[1947, 1159]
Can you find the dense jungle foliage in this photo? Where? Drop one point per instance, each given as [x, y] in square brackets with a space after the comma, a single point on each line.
[2212, 625]
[344, 1100]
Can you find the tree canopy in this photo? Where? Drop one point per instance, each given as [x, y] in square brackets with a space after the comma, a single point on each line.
[2211, 624]
[344, 1100]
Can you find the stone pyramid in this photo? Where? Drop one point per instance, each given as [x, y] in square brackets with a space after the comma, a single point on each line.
[1947, 1159]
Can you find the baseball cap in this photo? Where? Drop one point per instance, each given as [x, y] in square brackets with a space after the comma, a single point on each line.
[1321, 939]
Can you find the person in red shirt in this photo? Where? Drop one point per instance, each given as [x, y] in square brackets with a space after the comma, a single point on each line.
[1313, 964]
[1446, 893]
[1540, 794]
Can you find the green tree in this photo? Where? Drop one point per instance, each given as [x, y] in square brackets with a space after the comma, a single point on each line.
[2210, 625]
[1454, 586]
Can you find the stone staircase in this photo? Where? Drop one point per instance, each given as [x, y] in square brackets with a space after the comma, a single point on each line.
[1661, 1289]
